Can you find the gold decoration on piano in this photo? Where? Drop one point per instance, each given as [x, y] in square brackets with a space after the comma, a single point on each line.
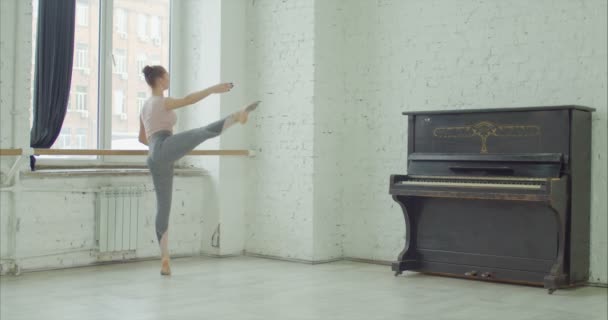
[485, 129]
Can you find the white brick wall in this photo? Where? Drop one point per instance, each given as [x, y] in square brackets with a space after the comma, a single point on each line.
[15, 79]
[7, 24]
[233, 184]
[280, 72]
[329, 130]
[196, 47]
[58, 228]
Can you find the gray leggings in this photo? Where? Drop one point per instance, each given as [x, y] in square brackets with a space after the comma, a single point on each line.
[165, 149]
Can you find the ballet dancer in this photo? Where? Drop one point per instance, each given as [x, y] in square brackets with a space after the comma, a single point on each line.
[156, 131]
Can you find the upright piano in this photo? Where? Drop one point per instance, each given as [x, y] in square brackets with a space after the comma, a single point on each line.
[498, 195]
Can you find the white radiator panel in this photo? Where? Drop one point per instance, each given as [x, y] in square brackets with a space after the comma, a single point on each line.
[118, 210]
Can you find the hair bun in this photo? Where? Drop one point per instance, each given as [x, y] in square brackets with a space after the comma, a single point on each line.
[151, 73]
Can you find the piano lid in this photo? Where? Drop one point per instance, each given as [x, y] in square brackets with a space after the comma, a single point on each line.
[500, 132]
[540, 108]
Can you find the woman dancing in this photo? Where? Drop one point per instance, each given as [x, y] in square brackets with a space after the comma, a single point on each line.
[156, 131]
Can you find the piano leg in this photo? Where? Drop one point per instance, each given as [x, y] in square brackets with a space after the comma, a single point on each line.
[553, 282]
[407, 259]
[397, 268]
[557, 278]
[402, 265]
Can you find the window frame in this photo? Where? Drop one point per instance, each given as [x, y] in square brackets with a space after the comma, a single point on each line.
[105, 65]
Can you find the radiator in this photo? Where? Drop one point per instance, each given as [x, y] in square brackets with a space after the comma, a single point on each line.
[117, 218]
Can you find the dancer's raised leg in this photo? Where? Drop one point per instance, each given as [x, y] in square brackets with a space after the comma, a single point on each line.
[178, 145]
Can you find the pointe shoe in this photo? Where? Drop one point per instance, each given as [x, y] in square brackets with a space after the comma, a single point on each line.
[244, 114]
[165, 270]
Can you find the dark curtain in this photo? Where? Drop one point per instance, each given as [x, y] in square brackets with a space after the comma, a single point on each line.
[53, 70]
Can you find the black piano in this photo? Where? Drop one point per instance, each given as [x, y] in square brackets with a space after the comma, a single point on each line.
[498, 195]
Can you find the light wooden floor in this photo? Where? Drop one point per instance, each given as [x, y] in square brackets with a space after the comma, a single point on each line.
[252, 288]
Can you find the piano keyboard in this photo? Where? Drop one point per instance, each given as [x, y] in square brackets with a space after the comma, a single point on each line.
[470, 182]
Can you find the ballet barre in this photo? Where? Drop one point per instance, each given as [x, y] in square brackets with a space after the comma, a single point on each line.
[23, 155]
[109, 152]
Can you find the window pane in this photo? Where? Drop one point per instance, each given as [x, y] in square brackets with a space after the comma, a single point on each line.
[79, 130]
[141, 63]
[155, 32]
[119, 102]
[146, 43]
[141, 100]
[81, 137]
[142, 25]
[82, 13]
[82, 120]
[120, 62]
[65, 138]
[121, 22]
[81, 59]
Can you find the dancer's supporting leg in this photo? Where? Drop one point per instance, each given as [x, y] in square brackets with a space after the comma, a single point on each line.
[162, 176]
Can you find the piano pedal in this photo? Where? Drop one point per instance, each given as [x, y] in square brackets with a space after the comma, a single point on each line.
[550, 291]
[397, 273]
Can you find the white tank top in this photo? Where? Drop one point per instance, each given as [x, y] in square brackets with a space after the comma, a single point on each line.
[156, 117]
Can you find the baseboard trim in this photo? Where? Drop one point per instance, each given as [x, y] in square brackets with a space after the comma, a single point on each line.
[369, 261]
[94, 264]
[220, 256]
[304, 261]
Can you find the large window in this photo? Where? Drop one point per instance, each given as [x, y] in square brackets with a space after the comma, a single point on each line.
[105, 115]
[84, 90]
